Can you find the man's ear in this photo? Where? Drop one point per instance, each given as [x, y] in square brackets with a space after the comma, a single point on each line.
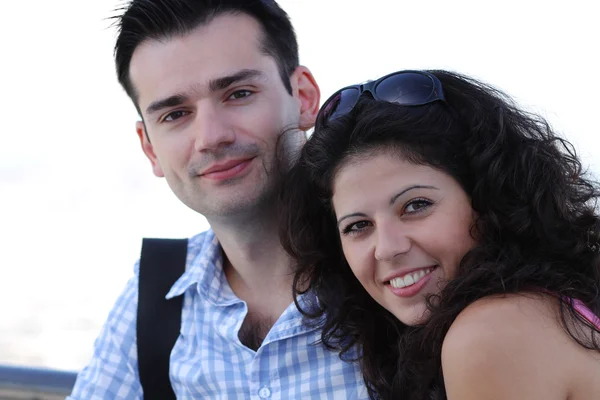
[306, 89]
[148, 148]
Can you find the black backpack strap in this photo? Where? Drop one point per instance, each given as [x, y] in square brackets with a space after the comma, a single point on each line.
[158, 320]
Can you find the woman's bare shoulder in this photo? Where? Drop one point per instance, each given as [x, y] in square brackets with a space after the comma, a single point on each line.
[510, 346]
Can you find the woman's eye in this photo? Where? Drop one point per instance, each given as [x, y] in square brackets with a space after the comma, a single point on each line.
[175, 115]
[355, 227]
[240, 94]
[416, 205]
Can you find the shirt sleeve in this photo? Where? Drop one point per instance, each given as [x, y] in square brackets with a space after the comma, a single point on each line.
[113, 371]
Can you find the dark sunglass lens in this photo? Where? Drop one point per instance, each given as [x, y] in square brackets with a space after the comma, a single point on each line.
[339, 104]
[410, 88]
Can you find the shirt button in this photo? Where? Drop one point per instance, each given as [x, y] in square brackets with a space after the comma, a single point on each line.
[264, 392]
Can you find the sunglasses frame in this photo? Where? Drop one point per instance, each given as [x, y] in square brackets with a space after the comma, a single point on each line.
[437, 93]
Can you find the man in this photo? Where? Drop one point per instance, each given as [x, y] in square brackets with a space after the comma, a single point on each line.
[224, 106]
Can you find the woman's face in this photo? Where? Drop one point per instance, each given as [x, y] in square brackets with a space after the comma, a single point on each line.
[404, 229]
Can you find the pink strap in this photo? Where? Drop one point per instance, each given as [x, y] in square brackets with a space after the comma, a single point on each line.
[586, 313]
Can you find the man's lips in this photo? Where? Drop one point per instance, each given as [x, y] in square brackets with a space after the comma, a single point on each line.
[226, 170]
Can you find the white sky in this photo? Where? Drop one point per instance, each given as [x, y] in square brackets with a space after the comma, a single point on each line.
[77, 194]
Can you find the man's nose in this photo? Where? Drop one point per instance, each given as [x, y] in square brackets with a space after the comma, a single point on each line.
[211, 130]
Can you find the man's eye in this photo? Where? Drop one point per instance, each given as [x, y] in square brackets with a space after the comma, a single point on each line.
[175, 115]
[240, 94]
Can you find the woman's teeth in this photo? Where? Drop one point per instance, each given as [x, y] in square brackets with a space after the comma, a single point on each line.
[410, 279]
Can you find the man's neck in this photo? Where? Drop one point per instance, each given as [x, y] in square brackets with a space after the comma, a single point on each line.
[258, 271]
[256, 266]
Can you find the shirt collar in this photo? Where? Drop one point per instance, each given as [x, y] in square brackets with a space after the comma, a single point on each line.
[204, 269]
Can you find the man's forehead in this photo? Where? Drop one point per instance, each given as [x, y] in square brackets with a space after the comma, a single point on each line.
[223, 47]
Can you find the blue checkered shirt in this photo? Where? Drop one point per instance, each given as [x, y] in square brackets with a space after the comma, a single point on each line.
[208, 360]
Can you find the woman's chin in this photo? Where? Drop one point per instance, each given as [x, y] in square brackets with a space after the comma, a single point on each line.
[413, 318]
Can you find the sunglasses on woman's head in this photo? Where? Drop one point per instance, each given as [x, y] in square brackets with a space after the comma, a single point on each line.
[406, 88]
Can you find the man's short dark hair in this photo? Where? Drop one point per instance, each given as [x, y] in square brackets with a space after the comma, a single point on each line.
[158, 19]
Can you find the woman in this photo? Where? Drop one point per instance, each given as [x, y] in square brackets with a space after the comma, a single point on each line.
[451, 236]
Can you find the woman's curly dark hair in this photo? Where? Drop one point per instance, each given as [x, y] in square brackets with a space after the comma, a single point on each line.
[537, 226]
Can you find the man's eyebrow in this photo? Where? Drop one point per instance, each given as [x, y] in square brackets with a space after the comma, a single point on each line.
[222, 83]
[214, 85]
[171, 101]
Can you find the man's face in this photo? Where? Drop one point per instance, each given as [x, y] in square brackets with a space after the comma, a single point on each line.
[214, 107]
